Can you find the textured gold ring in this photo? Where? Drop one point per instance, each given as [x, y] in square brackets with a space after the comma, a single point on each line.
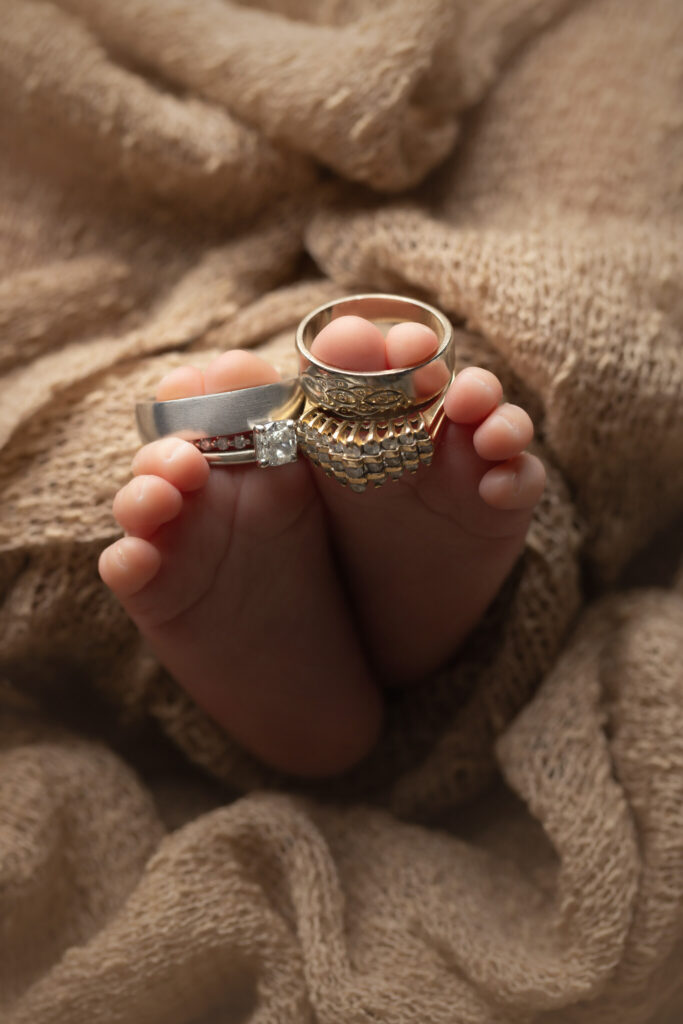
[370, 427]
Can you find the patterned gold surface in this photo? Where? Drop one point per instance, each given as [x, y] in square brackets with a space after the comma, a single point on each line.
[353, 398]
[359, 452]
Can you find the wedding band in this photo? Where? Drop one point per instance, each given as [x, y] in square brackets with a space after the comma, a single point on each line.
[250, 425]
[357, 453]
[348, 393]
[363, 428]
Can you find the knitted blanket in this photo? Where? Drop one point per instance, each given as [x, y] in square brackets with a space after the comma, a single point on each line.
[178, 177]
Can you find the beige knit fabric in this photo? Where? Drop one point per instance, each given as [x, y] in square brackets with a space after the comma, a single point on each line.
[182, 176]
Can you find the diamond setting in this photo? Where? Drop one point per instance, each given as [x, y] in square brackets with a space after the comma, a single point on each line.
[275, 443]
[224, 442]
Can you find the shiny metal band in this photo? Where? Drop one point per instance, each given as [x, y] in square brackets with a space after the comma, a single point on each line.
[354, 395]
[250, 425]
[358, 453]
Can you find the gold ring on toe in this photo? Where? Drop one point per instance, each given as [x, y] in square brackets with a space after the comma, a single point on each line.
[249, 425]
[371, 427]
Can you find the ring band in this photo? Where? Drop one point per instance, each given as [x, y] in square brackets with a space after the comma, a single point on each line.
[357, 454]
[350, 394]
[250, 425]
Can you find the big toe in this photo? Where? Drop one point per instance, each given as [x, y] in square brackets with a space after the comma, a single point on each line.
[238, 369]
[409, 343]
[183, 382]
[229, 372]
[351, 343]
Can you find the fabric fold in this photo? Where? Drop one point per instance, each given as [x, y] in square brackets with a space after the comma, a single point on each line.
[183, 178]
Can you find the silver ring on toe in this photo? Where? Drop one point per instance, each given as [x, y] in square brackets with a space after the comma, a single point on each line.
[250, 425]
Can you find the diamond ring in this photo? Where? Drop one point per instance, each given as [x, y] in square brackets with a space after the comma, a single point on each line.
[250, 425]
[370, 427]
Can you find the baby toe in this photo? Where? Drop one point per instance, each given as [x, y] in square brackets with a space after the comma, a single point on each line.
[351, 343]
[238, 369]
[408, 344]
[175, 460]
[183, 382]
[145, 503]
[516, 484]
[506, 432]
[128, 565]
[472, 396]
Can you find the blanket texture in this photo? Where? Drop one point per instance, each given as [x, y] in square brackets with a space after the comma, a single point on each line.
[183, 176]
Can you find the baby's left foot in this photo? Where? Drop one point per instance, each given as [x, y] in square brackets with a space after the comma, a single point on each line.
[427, 554]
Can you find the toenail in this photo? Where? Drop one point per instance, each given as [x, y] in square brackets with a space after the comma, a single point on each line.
[120, 556]
[513, 427]
[172, 449]
[140, 489]
[483, 385]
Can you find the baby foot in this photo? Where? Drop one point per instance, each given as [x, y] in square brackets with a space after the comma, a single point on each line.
[228, 574]
[425, 555]
[231, 576]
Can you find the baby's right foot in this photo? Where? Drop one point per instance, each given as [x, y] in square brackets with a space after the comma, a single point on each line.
[231, 574]
[425, 556]
[228, 573]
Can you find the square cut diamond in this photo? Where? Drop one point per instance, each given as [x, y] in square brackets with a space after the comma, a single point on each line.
[275, 442]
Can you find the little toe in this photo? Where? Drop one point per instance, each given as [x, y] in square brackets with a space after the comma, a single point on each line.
[183, 382]
[474, 394]
[516, 484]
[128, 565]
[506, 432]
[175, 460]
[408, 344]
[143, 504]
[351, 343]
[238, 369]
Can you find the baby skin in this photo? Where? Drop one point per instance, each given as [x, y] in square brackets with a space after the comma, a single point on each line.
[285, 603]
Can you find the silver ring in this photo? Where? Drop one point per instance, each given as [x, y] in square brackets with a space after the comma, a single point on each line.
[350, 394]
[250, 425]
